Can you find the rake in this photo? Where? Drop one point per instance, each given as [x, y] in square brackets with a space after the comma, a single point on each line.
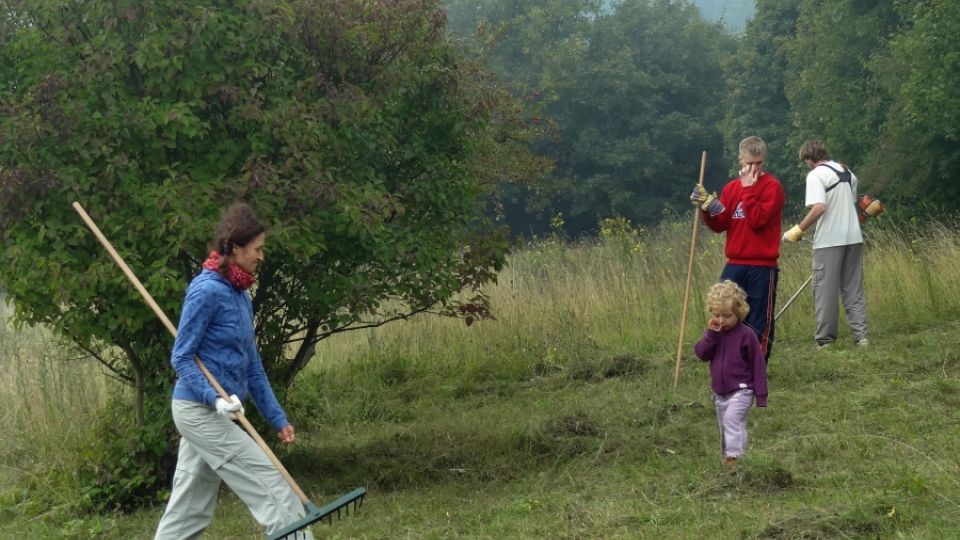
[313, 512]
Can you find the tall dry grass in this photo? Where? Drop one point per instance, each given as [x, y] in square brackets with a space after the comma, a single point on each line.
[51, 397]
[557, 301]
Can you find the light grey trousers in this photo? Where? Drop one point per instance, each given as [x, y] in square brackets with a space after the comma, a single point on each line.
[213, 448]
[838, 275]
[732, 419]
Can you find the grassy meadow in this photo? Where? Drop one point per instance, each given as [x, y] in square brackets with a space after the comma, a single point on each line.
[560, 420]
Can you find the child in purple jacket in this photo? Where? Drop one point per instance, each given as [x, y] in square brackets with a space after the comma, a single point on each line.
[738, 373]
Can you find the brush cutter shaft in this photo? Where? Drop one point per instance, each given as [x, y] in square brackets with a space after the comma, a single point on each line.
[173, 330]
[794, 297]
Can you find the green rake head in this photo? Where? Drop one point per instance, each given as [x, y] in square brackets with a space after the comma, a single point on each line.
[315, 514]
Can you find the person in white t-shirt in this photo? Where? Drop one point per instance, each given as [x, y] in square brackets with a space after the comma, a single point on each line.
[837, 245]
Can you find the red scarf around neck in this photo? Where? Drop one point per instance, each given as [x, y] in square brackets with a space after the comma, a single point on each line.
[238, 277]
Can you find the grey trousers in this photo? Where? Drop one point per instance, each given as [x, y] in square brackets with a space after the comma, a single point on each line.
[838, 274]
[213, 448]
[732, 419]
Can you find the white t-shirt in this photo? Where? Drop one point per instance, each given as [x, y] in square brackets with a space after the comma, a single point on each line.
[838, 226]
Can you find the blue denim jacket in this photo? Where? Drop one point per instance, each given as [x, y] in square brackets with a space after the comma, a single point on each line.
[217, 325]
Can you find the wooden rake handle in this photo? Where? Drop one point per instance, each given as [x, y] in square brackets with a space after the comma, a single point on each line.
[686, 290]
[173, 331]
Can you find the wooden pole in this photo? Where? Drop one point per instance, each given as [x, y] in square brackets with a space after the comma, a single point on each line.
[686, 290]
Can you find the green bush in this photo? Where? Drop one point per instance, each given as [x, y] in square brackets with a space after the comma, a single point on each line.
[126, 466]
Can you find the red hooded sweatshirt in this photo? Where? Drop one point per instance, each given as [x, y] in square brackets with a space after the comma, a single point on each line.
[752, 217]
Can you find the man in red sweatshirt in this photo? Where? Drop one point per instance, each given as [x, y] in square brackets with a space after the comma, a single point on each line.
[750, 210]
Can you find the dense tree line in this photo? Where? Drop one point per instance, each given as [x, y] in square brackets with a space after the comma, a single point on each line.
[626, 97]
[630, 91]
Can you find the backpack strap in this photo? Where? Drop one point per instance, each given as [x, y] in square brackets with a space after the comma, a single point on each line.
[844, 177]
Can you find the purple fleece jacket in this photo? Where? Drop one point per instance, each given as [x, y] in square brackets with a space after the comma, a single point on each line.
[735, 360]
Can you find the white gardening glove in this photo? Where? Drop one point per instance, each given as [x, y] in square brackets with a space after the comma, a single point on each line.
[794, 234]
[227, 409]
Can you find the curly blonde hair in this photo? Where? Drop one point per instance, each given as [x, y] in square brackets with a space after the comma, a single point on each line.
[728, 292]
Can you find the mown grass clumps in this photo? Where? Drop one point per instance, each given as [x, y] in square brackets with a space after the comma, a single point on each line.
[406, 457]
[868, 519]
[762, 475]
[575, 425]
[608, 367]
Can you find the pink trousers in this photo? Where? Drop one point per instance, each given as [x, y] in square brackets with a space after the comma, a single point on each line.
[732, 418]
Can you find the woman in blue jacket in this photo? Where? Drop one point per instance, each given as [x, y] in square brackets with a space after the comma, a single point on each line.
[216, 325]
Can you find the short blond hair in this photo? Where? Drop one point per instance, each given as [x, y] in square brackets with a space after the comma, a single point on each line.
[753, 146]
[728, 292]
